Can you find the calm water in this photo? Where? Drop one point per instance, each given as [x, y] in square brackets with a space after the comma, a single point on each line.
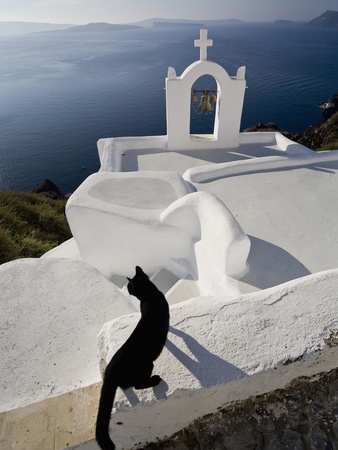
[60, 93]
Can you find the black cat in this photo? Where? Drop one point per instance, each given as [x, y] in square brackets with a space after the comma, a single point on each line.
[132, 364]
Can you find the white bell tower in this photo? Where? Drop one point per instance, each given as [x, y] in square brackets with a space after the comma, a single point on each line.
[229, 104]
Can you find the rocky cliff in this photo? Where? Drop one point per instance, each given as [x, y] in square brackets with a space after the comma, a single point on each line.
[319, 137]
[327, 19]
[323, 136]
[330, 106]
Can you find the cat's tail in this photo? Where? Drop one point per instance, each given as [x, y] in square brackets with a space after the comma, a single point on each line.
[103, 416]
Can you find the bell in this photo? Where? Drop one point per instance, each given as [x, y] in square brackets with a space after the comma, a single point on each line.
[194, 98]
[213, 98]
[205, 105]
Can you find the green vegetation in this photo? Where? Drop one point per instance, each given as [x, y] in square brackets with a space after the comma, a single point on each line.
[323, 136]
[30, 225]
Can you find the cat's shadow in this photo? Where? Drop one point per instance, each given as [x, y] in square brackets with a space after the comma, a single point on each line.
[160, 393]
[207, 367]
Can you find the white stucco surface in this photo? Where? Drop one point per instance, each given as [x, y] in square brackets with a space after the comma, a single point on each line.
[219, 349]
[290, 216]
[50, 314]
[156, 220]
[282, 195]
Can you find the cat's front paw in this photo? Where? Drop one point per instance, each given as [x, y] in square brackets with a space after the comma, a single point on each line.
[155, 380]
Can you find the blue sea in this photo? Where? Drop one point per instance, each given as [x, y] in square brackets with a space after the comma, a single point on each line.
[61, 92]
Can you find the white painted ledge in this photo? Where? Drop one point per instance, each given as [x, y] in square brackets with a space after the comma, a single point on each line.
[287, 160]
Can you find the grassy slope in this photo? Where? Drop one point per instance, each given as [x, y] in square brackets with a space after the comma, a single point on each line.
[30, 225]
[324, 136]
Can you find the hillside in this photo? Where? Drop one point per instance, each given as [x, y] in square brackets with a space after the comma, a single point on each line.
[323, 136]
[30, 225]
[327, 19]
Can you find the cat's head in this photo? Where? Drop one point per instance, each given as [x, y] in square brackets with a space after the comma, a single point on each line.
[137, 285]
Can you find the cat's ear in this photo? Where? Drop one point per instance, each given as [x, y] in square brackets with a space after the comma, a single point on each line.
[139, 271]
[129, 279]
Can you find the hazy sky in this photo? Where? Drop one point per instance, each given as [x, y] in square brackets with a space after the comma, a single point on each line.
[124, 11]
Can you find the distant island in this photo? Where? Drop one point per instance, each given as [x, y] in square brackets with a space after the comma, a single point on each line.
[12, 28]
[327, 19]
[177, 24]
[160, 22]
[98, 27]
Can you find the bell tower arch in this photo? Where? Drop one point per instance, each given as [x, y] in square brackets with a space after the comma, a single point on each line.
[228, 106]
[203, 107]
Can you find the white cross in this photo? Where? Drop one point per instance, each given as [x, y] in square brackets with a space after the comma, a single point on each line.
[203, 42]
